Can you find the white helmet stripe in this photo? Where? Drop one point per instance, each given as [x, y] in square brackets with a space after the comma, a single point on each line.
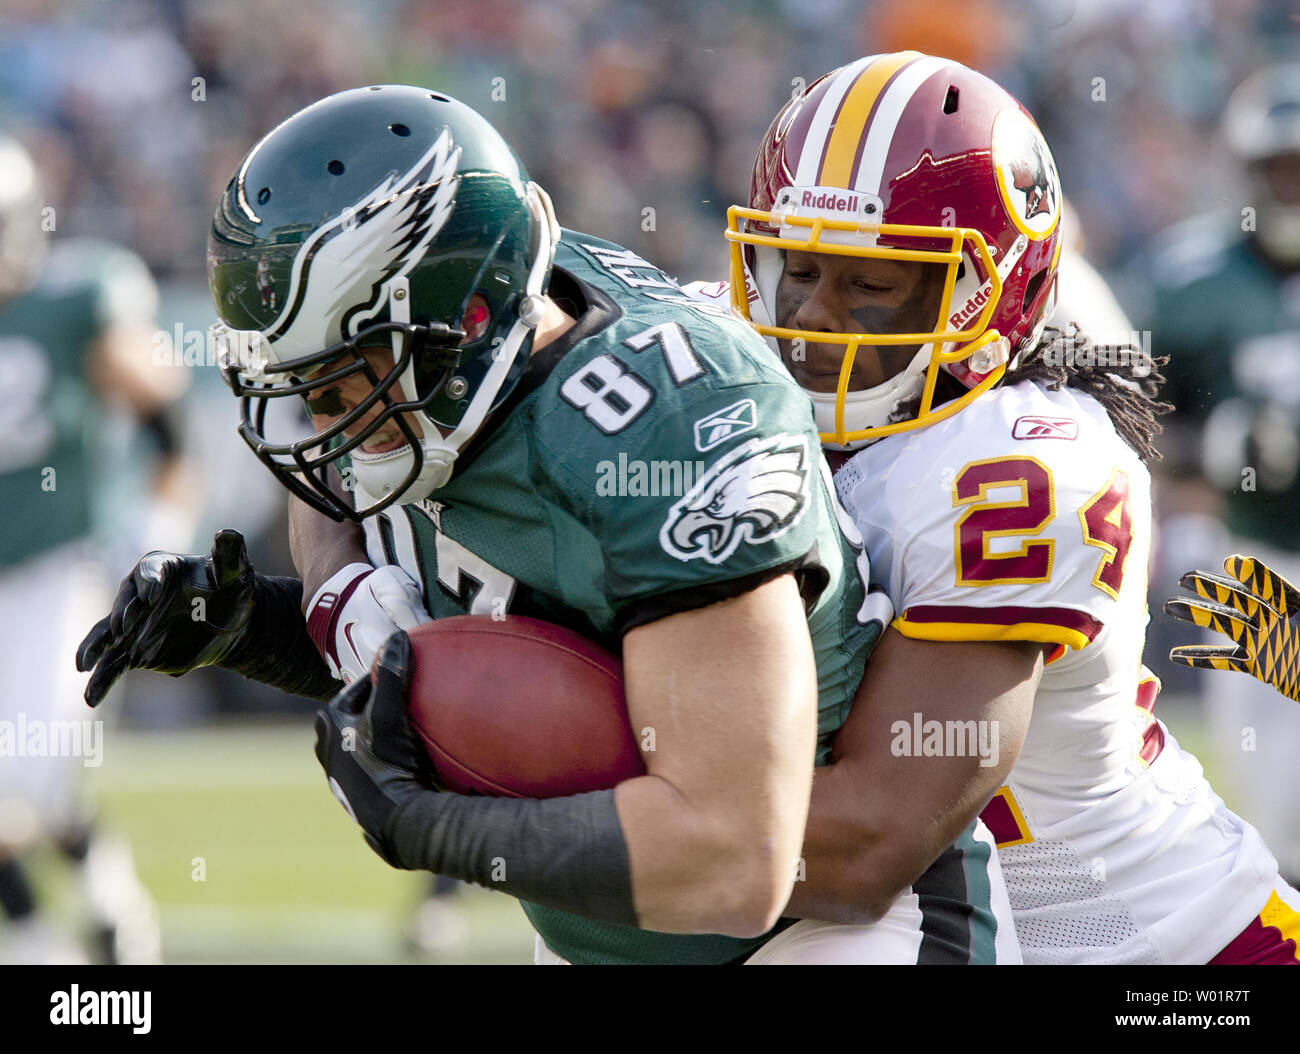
[885, 122]
[814, 145]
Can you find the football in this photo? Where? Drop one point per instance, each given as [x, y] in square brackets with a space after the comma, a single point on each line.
[519, 708]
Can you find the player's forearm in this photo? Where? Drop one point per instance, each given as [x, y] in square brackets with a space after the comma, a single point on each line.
[564, 853]
[697, 871]
[572, 854]
[856, 862]
[321, 546]
[729, 692]
[275, 648]
[886, 809]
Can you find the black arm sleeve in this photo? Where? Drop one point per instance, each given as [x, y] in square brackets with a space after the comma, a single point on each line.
[274, 647]
[563, 853]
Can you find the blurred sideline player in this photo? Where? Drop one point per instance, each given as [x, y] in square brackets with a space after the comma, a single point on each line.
[75, 336]
[1000, 485]
[1226, 309]
[570, 394]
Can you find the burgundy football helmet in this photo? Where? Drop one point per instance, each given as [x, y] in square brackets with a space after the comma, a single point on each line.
[914, 158]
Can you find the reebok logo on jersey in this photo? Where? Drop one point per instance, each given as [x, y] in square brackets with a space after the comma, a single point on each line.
[1045, 428]
[753, 494]
[721, 425]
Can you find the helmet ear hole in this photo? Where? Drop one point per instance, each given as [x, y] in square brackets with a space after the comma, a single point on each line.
[478, 318]
[1031, 288]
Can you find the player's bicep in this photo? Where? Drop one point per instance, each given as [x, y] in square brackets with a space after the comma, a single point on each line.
[727, 693]
[723, 699]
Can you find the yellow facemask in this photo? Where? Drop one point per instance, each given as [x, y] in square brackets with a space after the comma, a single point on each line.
[983, 350]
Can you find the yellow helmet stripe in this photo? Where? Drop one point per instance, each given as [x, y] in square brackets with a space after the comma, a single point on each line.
[850, 122]
[884, 122]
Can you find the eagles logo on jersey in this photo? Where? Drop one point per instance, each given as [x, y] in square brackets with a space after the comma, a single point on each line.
[753, 494]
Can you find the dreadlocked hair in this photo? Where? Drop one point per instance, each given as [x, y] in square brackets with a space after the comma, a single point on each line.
[1122, 377]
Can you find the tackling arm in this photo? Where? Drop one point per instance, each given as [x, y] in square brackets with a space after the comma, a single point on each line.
[879, 817]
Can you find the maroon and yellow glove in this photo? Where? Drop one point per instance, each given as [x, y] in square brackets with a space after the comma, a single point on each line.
[1254, 606]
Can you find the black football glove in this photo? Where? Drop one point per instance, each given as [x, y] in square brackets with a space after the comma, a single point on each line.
[1258, 609]
[566, 853]
[172, 614]
[365, 746]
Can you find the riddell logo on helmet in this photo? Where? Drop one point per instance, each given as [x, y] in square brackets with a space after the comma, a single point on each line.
[829, 201]
[970, 308]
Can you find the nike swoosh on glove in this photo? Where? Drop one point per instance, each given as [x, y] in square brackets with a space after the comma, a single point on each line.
[357, 610]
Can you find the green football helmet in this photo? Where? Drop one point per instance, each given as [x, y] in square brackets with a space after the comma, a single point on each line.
[22, 242]
[370, 219]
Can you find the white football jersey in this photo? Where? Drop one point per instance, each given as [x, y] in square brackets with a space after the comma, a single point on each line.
[1026, 517]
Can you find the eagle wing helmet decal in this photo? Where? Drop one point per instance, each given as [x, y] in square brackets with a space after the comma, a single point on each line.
[341, 274]
[754, 494]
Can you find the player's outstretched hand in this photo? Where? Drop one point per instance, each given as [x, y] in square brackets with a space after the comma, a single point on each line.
[365, 746]
[172, 614]
[1258, 609]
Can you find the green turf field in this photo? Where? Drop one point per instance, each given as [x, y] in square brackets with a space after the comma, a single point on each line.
[250, 858]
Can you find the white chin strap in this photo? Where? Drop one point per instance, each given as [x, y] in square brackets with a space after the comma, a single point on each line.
[379, 475]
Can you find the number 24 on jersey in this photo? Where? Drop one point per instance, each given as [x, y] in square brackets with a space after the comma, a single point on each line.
[984, 489]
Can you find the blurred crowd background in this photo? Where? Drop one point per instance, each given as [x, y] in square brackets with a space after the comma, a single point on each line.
[614, 105]
[138, 111]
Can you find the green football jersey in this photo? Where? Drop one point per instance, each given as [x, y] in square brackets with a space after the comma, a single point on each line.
[654, 459]
[47, 410]
[1230, 322]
